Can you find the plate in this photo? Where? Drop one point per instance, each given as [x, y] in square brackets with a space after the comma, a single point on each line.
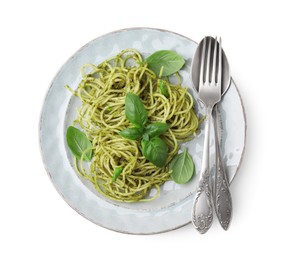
[172, 209]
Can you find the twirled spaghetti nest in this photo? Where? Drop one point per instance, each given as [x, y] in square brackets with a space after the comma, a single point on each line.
[102, 116]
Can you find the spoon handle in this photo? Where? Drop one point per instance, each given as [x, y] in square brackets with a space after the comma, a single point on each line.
[202, 212]
[221, 196]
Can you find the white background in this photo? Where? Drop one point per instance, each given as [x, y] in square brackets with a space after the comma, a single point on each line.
[37, 37]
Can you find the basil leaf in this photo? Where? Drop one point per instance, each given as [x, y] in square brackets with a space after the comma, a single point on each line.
[182, 167]
[156, 129]
[155, 150]
[132, 133]
[163, 89]
[169, 60]
[143, 144]
[135, 110]
[78, 143]
[146, 136]
[117, 172]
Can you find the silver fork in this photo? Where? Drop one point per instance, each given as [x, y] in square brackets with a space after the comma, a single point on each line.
[209, 93]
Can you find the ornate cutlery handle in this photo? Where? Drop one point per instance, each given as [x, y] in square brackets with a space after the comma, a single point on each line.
[202, 212]
[221, 197]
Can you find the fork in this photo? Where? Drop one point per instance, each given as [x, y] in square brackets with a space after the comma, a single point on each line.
[209, 93]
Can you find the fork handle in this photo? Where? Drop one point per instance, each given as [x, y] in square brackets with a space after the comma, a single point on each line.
[202, 212]
[222, 197]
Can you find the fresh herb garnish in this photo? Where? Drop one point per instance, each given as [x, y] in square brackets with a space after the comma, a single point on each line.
[135, 110]
[132, 133]
[154, 149]
[163, 89]
[78, 143]
[118, 170]
[169, 60]
[156, 129]
[182, 167]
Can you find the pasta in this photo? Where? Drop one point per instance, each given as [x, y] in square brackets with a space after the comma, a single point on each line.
[102, 90]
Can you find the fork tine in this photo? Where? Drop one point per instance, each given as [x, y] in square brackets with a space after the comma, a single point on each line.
[208, 62]
[213, 75]
[201, 72]
[219, 74]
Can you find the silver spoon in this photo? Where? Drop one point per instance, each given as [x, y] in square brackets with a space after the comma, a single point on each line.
[221, 193]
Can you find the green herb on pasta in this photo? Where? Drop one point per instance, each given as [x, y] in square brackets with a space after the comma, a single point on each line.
[182, 167]
[169, 60]
[79, 144]
[155, 150]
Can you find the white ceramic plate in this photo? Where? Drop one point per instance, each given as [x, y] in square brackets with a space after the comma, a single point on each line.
[173, 208]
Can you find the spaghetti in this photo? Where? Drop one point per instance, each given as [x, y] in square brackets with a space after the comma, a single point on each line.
[102, 90]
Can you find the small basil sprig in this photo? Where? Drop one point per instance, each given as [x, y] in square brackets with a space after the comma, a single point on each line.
[163, 89]
[118, 170]
[169, 60]
[78, 143]
[154, 149]
[182, 167]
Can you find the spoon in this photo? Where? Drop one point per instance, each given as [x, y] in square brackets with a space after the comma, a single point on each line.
[221, 194]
